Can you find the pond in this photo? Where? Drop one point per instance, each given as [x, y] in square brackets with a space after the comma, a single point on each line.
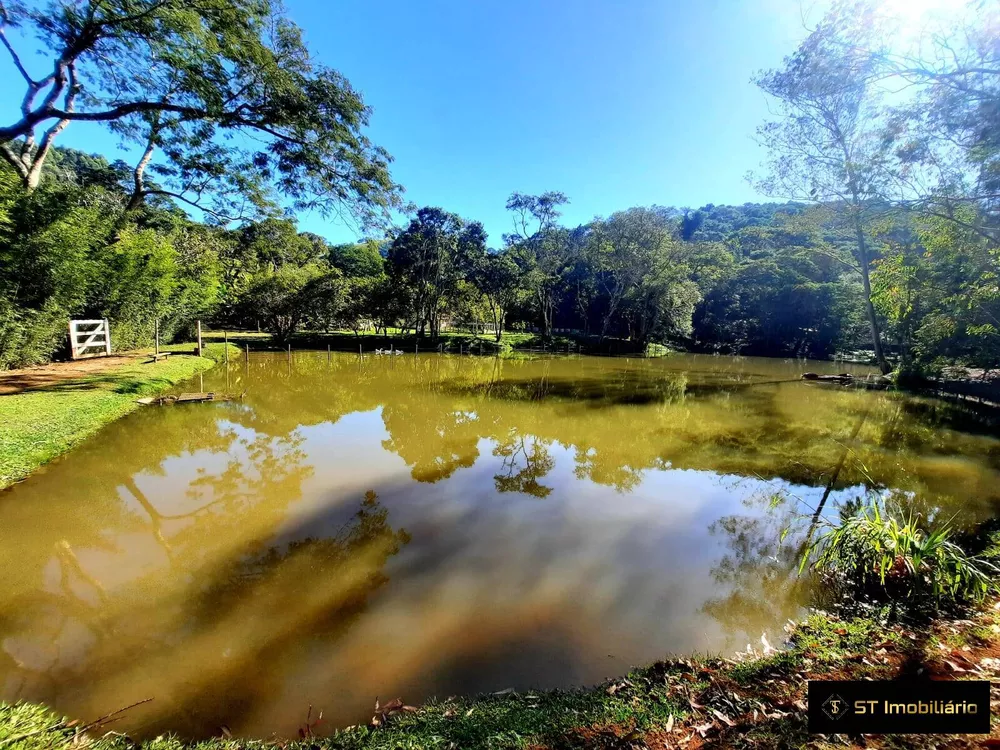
[422, 526]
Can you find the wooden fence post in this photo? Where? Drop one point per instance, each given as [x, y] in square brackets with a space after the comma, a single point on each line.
[107, 337]
[199, 339]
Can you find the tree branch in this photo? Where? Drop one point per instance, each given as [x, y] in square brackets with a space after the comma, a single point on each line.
[195, 203]
[138, 174]
[11, 158]
[69, 104]
[17, 60]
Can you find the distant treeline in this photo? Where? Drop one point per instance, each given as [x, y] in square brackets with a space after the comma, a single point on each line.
[886, 238]
[736, 279]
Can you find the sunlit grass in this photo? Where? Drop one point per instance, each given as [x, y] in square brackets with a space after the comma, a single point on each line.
[38, 425]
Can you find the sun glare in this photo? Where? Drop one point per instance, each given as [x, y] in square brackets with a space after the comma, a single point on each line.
[913, 14]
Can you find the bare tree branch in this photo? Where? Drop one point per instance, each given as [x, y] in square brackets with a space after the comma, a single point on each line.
[17, 60]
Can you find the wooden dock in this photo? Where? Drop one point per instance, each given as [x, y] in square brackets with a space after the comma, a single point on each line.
[183, 398]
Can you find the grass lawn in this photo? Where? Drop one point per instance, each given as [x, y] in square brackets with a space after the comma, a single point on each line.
[39, 424]
[757, 703]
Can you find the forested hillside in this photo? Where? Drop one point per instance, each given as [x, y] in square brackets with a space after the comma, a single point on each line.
[748, 279]
[883, 236]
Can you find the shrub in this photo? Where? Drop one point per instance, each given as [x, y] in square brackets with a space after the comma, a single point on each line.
[29, 337]
[881, 551]
[68, 253]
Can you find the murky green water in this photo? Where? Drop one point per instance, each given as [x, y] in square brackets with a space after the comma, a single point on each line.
[418, 526]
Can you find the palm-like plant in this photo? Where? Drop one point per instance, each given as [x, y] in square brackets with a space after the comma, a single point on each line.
[883, 551]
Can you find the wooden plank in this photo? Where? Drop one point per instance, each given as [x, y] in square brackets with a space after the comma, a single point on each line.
[188, 397]
[92, 339]
[107, 337]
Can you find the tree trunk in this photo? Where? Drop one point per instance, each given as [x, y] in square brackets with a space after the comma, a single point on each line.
[139, 175]
[33, 177]
[869, 307]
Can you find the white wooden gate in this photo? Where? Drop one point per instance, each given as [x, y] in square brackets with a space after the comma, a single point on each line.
[89, 338]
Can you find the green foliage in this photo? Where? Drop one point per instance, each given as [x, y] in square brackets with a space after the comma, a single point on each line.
[937, 287]
[324, 297]
[73, 252]
[48, 262]
[138, 279]
[428, 259]
[281, 300]
[777, 305]
[223, 99]
[883, 551]
[498, 278]
[358, 260]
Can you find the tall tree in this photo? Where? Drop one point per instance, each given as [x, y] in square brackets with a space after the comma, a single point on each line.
[427, 258]
[949, 132]
[626, 247]
[543, 249]
[224, 92]
[829, 144]
[498, 278]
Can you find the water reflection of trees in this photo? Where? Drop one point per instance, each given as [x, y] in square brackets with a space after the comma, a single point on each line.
[218, 588]
[515, 477]
[214, 563]
[623, 418]
[758, 572]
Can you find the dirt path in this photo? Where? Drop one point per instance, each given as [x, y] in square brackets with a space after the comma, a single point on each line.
[45, 376]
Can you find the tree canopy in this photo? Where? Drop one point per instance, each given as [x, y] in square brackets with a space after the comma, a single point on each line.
[223, 97]
[883, 240]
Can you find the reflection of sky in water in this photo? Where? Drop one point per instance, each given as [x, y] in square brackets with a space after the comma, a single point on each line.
[509, 589]
[566, 586]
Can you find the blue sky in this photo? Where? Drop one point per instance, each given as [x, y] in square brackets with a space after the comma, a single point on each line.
[614, 102]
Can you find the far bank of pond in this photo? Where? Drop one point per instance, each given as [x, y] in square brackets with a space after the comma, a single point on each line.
[429, 525]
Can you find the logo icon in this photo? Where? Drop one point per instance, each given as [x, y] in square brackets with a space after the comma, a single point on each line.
[835, 706]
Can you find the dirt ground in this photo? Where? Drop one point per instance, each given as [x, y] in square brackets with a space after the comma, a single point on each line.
[53, 373]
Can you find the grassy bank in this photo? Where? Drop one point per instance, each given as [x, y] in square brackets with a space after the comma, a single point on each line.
[757, 703]
[41, 423]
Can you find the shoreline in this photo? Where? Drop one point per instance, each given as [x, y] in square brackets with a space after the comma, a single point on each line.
[756, 702]
[40, 424]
